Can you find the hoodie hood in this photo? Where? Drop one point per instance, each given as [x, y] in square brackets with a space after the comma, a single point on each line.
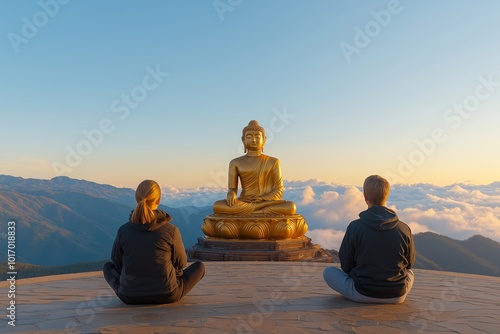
[379, 218]
[161, 219]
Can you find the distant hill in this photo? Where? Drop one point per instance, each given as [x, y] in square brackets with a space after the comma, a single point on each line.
[63, 184]
[25, 270]
[476, 255]
[64, 221]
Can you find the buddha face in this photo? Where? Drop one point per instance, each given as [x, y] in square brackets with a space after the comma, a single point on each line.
[253, 140]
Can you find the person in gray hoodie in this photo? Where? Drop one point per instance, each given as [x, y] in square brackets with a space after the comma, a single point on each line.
[148, 260]
[376, 253]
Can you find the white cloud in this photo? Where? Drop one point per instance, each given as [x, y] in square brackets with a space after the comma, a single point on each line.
[459, 190]
[327, 238]
[458, 211]
[200, 197]
[307, 195]
[418, 228]
[333, 209]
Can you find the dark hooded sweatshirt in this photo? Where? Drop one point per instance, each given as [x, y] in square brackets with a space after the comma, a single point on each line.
[376, 252]
[150, 257]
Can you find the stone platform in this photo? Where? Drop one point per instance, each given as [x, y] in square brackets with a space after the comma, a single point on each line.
[217, 249]
[256, 297]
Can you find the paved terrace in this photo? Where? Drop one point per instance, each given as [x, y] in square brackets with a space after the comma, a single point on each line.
[257, 297]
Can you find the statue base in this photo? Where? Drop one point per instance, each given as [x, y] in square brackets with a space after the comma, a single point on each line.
[218, 249]
[254, 226]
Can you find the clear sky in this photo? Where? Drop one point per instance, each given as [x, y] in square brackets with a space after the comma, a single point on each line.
[119, 91]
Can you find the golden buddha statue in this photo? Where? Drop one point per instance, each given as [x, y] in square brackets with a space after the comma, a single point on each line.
[260, 177]
[259, 212]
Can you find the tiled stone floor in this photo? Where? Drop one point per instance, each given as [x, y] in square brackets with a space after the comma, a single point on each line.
[256, 297]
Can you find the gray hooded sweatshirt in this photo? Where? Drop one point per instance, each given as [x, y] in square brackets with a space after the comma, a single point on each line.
[376, 252]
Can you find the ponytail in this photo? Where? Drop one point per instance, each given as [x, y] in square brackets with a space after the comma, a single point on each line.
[147, 196]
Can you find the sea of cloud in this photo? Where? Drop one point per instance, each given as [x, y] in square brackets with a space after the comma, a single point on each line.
[458, 211]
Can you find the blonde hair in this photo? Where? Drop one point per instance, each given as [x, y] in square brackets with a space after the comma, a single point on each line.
[147, 195]
[376, 189]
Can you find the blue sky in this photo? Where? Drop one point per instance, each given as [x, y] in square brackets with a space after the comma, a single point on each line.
[163, 88]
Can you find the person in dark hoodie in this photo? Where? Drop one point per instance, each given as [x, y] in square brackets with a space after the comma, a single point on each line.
[148, 256]
[376, 254]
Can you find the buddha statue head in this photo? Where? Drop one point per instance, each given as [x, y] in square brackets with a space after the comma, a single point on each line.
[253, 137]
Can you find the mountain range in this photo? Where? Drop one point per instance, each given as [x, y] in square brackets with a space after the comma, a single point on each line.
[63, 221]
[475, 255]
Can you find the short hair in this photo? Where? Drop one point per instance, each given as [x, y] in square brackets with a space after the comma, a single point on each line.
[147, 195]
[376, 189]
